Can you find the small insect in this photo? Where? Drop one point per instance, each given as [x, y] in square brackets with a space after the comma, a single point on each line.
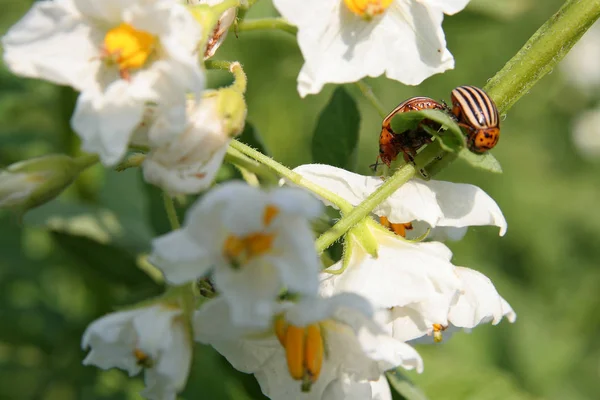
[409, 142]
[477, 113]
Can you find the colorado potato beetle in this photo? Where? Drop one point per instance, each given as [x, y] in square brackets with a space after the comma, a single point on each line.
[477, 113]
[391, 143]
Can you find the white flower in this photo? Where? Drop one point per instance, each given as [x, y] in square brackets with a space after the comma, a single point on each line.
[586, 133]
[326, 347]
[189, 161]
[154, 338]
[256, 243]
[415, 276]
[120, 54]
[478, 302]
[451, 207]
[581, 66]
[345, 41]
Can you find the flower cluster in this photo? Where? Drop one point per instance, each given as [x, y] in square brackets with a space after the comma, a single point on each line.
[243, 273]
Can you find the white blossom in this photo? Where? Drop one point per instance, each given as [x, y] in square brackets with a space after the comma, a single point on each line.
[448, 207]
[121, 55]
[154, 338]
[354, 349]
[345, 41]
[189, 161]
[255, 243]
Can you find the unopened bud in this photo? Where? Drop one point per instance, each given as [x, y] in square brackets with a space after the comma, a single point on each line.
[31, 183]
[211, 13]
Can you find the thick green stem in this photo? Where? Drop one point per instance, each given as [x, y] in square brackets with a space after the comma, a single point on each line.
[542, 52]
[292, 176]
[218, 64]
[370, 96]
[171, 212]
[350, 219]
[267, 24]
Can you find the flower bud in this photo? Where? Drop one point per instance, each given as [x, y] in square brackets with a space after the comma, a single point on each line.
[31, 183]
[189, 162]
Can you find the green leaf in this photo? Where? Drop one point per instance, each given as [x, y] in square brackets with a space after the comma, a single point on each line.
[404, 386]
[485, 161]
[336, 135]
[452, 139]
[253, 138]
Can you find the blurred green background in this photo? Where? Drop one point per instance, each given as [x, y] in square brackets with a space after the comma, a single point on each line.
[74, 259]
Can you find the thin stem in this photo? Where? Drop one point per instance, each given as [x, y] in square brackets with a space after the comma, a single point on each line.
[85, 161]
[542, 52]
[366, 90]
[225, 5]
[237, 158]
[350, 219]
[171, 212]
[292, 176]
[267, 24]
[218, 64]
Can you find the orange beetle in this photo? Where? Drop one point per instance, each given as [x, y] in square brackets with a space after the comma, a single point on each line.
[408, 142]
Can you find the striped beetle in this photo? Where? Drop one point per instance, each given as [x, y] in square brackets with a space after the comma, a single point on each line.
[477, 113]
[392, 143]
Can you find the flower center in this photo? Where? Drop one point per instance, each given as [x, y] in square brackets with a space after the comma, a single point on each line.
[143, 359]
[304, 349]
[128, 48]
[398, 229]
[241, 249]
[437, 332]
[367, 9]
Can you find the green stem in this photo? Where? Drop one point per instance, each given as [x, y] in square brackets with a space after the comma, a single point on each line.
[292, 176]
[236, 157]
[171, 212]
[85, 161]
[542, 52]
[218, 64]
[370, 96]
[267, 24]
[350, 219]
[225, 5]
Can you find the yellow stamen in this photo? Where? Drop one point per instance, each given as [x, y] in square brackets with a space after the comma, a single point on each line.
[280, 329]
[294, 350]
[270, 213]
[437, 332]
[128, 47]
[304, 350]
[367, 9]
[241, 249]
[313, 353]
[398, 229]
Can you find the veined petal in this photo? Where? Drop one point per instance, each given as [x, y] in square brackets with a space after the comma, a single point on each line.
[53, 42]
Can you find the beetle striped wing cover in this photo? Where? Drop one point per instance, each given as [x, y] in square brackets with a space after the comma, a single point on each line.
[477, 108]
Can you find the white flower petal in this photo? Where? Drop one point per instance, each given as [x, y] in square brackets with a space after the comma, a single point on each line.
[406, 42]
[179, 257]
[447, 6]
[353, 188]
[53, 42]
[478, 303]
